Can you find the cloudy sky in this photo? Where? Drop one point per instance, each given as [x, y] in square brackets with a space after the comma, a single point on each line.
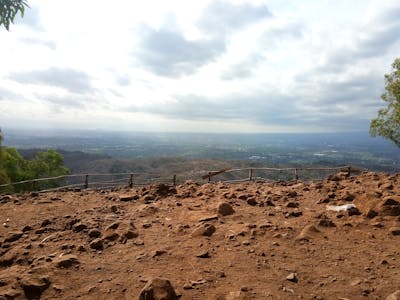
[201, 66]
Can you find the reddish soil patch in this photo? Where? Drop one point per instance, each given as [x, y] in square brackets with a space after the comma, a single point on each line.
[268, 241]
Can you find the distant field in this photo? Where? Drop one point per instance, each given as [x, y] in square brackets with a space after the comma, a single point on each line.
[96, 151]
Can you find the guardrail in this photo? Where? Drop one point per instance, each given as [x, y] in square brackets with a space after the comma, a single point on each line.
[138, 179]
[295, 171]
[116, 179]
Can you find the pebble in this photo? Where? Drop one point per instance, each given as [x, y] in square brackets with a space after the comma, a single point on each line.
[292, 277]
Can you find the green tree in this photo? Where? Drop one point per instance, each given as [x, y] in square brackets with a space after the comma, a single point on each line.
[387, 124]
[45, 164]
[48, 163]
[3, 176]
[9, 9]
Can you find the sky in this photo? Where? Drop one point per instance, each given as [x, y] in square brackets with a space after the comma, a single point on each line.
[198, 66]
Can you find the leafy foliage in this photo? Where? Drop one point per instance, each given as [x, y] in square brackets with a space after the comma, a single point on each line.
[387, 124]
[3, 176]
[45, 164]
[9, 9]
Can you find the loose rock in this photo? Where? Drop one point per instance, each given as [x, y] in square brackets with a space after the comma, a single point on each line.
[34, 286]
[292, 277]
[66, 261]
[225, 209]
[96, 244]
[13, 236]
[204, 230]
[394, 231]
[158, 289]
[307, 233]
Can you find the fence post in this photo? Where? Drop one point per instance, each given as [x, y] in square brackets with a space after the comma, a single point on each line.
[209, 176]
[296, 175]
[34, 185]
[131, 181]
[250, 174]
[86, 181]
[174, 180]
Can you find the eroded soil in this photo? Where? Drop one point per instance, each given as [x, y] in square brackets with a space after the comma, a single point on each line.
[267, 241]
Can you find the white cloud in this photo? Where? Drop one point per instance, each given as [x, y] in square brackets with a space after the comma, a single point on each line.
[276, 65]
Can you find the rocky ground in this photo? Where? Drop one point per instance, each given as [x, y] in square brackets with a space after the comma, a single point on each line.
[333, 239]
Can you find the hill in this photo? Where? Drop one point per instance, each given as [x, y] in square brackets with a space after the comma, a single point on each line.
[280, 240]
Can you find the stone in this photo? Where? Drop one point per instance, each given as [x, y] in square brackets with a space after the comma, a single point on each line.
[34, 286]
[66, 261]
[13, 236]
[27, 228]
[394, 231]
[7, 259]
[204, 230]
[188, 286]
[96, 244]
[292, 204]
[163, 190]
[353, 211]
[127, 235]
[225, 209]
[269, 202]
[204, 254]
[6, 198]
[394, 296]
[114, 225]
[159, 253]
[294, 214]
[127, 198]
[111, 236]
[389, 201]
[326, 222]
[371, 214]
[236, 295]
[146, 225]
[158, 289]
[94, 233]
[251, 201]
[78, 227]
[208, 218]
[243, 196]
[292, 277]
[308, 233]
[348, 196]
[45, 223]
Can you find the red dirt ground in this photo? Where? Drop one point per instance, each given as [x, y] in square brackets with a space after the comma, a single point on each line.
[279, 242]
